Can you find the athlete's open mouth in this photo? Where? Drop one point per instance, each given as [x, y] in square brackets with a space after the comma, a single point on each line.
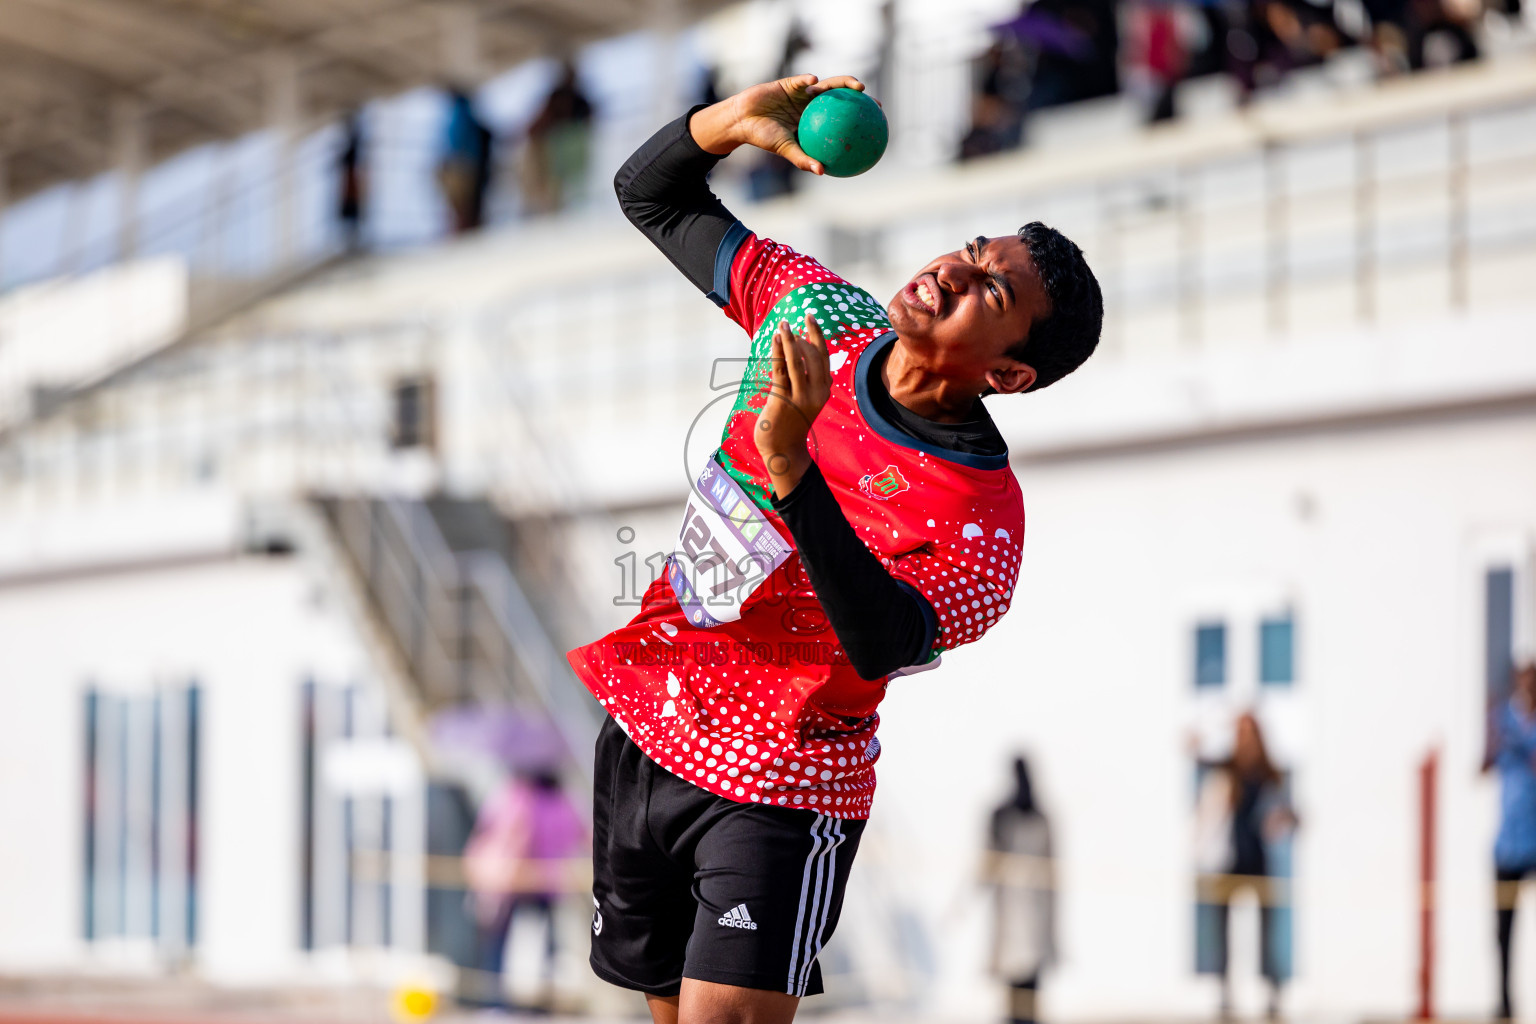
[924, 294]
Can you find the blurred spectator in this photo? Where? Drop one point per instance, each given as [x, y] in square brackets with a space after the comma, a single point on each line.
[1019, 869]
[559, 147]
[999, 95]
[353, 182]
[1304, 33]
[1062, 51]
[709, 85]
[1512, 750]
[1241, 814]
[1157, 54]
[1076, 45]
[464, 172]
[1258, 42]
[1208, 48]
[1440, 32]
[1237, 41]
[1511, 10]
[773, 175]
[1053, 52]
[1388, 35]
[518, 859]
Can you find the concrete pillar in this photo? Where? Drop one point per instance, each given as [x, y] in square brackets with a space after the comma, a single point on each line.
[462, 59]
[5, 206]
[665, 20]
[130, 150]
[283, 113]
[883, 83]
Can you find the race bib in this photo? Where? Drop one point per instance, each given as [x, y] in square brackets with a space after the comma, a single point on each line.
[725, 550]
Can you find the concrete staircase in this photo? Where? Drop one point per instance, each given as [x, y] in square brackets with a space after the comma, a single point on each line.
[440, 579]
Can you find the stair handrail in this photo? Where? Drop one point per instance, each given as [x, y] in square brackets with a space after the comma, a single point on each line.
[569, 492]
[487, 574]
[358, 539]
[422, 533]
[542, 661]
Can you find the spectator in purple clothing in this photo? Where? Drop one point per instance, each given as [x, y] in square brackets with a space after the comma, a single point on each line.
[1053, 52]
[519, 859]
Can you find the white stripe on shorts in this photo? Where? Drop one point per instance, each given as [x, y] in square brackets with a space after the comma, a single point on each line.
[816, 887]
[815, 937]
[805, 888]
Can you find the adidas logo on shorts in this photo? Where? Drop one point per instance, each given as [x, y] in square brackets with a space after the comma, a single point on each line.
[739, 918]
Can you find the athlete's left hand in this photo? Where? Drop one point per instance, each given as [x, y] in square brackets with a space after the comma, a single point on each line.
[802, 383]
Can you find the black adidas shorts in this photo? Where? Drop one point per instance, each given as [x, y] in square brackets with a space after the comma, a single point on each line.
[691, 885]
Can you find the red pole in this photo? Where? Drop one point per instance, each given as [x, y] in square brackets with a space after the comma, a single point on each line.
[1428, 770]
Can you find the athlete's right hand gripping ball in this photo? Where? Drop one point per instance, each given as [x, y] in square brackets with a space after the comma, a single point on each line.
[845, 131]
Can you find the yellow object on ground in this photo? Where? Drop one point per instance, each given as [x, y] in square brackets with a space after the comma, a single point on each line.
[413, 1003]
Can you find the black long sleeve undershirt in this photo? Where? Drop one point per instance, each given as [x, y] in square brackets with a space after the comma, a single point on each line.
[663, 190]
[883, 624]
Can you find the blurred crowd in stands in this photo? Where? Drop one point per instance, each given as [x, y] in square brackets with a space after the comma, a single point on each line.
[1053, 52]
[1063, 51]
[551, 157]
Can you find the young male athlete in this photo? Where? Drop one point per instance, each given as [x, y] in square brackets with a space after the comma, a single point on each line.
[858, 518]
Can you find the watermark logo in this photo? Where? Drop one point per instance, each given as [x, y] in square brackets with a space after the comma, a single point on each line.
[726, 550]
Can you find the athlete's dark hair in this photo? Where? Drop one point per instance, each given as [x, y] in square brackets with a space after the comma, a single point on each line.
[1067, 336]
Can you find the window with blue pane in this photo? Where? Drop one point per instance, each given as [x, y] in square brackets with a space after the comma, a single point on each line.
[1498, 633]
[1277, 651]
[1211, 654]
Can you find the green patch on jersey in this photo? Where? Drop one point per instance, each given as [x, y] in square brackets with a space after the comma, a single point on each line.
[839, 308]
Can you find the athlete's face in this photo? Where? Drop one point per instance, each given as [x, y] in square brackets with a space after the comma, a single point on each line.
[965, 310]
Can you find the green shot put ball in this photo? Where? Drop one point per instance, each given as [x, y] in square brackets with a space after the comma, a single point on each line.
[845, 130]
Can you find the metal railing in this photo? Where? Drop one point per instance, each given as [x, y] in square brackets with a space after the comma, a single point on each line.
[1401, 194]
[413, 591]
[462, 621]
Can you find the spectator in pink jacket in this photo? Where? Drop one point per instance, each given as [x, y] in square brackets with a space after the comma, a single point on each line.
[520, 857]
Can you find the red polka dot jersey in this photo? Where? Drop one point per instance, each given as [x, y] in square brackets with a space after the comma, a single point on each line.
[766, 708]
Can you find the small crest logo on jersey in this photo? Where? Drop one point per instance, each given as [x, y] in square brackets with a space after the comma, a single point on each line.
[885, 484]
